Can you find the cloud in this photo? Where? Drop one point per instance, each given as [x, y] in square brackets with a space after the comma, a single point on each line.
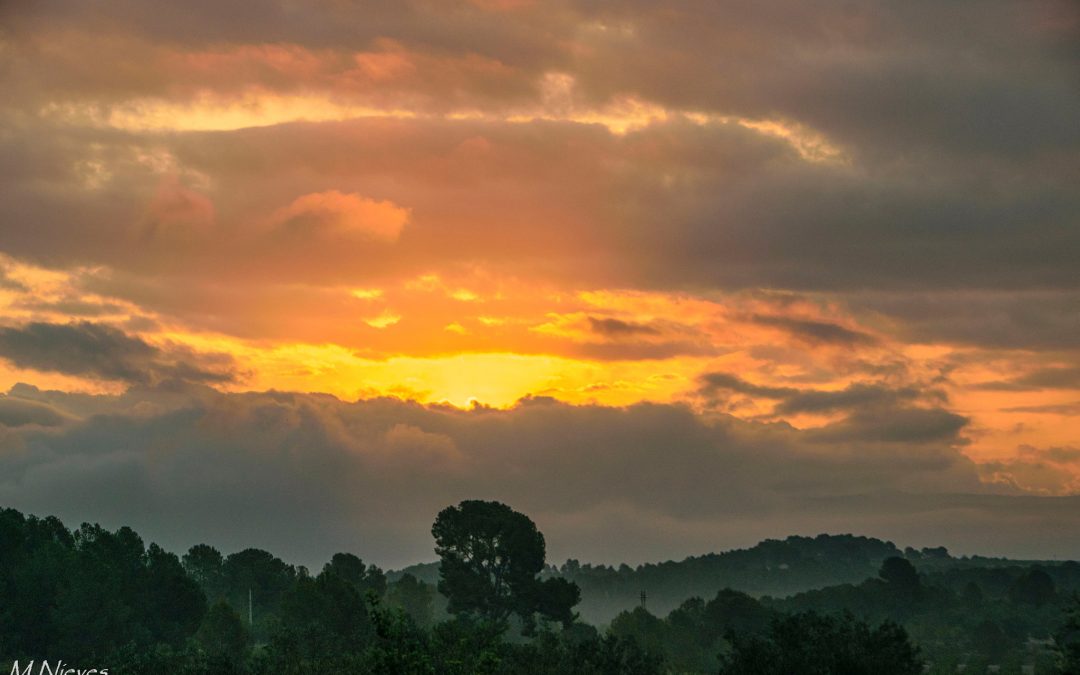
[17, 412]
[819, 332]
[902, 425]
[1054, 377]
[7, 283]
[792, 400]
[713, 382]
[1046, 470]
[305, 475]
[1043, 319]
[1067, 409]
[332, 214]
[616, 328]
[853, 396]
[102, 351]
[899, 176]
[870, 412]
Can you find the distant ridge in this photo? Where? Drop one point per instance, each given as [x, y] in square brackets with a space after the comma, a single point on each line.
[773, 567]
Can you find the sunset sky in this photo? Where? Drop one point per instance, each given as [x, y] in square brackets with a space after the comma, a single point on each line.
[669, 277]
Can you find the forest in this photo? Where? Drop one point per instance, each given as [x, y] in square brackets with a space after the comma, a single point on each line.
[99, 601]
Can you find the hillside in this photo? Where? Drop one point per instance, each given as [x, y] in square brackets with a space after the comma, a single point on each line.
[774, 567]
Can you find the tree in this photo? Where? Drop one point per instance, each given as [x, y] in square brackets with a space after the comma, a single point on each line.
[1033, 588]
[1067, 640]
[646, 630]
[203, 563]
[734, 612]
[972, 594]
[352, 569]
[222, 634]
[413, 597]
[814, 644]
[988, 639]
[490, 556]
[259, 577]
[900, 575]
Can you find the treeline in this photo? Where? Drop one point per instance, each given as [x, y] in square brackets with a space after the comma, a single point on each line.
[1008, 617]
[772, 567]
[966, 615]
[95, 598]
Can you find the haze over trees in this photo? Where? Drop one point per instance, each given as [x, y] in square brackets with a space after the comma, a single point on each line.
[96, 598]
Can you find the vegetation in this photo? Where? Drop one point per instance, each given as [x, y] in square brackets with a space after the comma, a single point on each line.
[96, 598]
[491, 556]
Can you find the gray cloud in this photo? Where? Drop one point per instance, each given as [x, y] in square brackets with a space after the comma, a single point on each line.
[1055, 377]
[101, 351]
[858, 396]
[616, 328]
[1068, 409]
[872, 413]
[309, 474]
[711, 383]
[997, 319]
[961, 144]
[895, 425]
[17, 412]
[853, 396]
[1052, 378]
[821, 332]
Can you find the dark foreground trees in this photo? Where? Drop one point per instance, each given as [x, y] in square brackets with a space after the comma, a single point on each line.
[813, 644]
[490, 556]
[1067, 639]
[97, 598]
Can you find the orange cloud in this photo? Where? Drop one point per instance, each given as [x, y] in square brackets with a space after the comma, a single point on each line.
[332, 214]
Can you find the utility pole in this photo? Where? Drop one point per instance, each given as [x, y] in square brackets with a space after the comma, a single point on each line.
[251, 620]
[644, 597]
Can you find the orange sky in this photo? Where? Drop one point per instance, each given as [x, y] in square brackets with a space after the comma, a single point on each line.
[846, 218]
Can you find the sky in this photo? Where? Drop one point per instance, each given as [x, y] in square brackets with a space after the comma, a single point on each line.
[668, 277]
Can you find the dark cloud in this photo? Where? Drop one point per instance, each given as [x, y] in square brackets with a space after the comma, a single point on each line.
[746, 212]
[1051, 378]
[1001, 319]
[819, 332]
[881, 399]
[958, 147]
[101, 351]
[711, 383]
[993, 80]
[615, 328]
[70, 307]
[17, 412]
[1056, 377]
[636, 350]
[900, 425]
[1067, 409]
[853, 396]
[306, 475]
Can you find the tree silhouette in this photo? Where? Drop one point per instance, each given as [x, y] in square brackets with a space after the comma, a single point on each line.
[900, 575]
[1067, 639]
[1034, 588]
[814, 644]
[490, 558]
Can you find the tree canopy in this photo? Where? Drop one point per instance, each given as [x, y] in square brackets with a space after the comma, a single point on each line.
[490, 559]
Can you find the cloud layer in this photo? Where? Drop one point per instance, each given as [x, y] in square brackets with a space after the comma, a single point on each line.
[309, 474]
[697, 241]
